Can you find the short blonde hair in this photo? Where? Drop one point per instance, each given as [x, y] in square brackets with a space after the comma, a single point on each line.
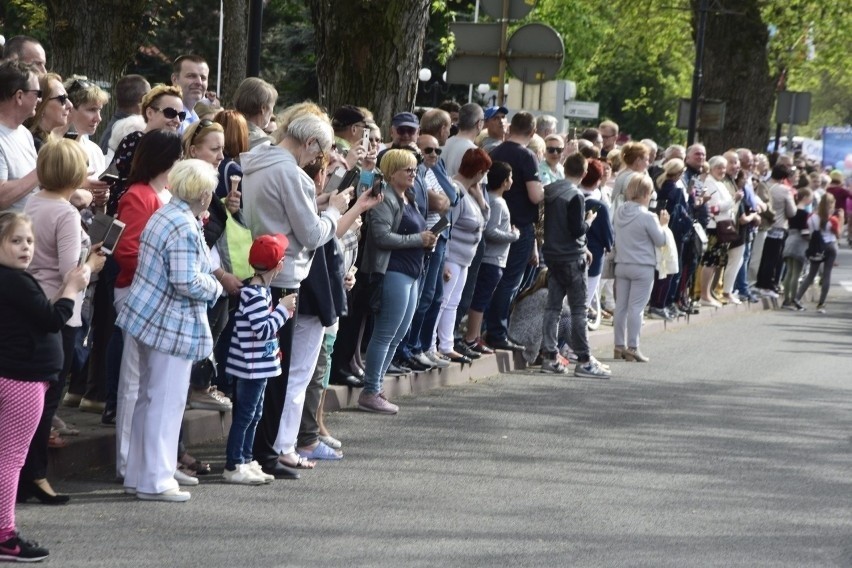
[639, 186]
[613, 158]
[190, 180]
[62, 164]
[155, 93]
[632, 151]
[197, 131]
[81, 91]
[537, 145]
[395, 160]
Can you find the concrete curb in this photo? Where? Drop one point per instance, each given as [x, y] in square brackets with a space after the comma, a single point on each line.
[95, 446]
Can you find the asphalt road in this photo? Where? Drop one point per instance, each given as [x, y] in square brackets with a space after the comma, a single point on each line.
[730, 448]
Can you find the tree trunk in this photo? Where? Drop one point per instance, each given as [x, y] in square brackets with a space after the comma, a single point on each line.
[369, 53]
[736, 70]
[235, 32]
[96, 38]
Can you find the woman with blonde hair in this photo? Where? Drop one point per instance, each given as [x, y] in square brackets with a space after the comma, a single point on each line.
[829, 224]
[52, 111]
[395, 247]
[638, 232]
[720, 207]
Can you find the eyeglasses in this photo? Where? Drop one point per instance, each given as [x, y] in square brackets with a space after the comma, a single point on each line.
[410, 171]
[36, 91]
[171, 113]
[428, 151]
[555, 150]
[206, 123]
[61, 98]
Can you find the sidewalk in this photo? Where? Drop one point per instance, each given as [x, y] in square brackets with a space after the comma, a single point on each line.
[94, 448]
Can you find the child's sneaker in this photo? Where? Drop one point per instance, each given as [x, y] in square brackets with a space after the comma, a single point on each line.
[17, 549]
[591, 369]
[242, 475]
[258, 471]
[553, 366]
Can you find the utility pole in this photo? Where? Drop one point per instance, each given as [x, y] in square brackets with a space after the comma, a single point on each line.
[698, 72]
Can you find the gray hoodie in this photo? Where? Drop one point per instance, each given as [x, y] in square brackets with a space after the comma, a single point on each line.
[279, 197]
[565, 224]
[637, 234]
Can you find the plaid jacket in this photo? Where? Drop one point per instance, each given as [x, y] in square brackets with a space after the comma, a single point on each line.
[167, 306]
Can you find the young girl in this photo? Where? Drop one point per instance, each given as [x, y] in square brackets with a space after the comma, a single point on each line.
[30, 358]
[255, 356]
[795, 247]
[830, 227]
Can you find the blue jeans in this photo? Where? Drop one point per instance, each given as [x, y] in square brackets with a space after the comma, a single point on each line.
[431, 286]
[248, 408]
[741, 283]
[399, 299]
[497, 316]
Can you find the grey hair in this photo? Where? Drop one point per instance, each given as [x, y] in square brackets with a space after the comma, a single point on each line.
[469, 115]
[191, 179]
[716, 161]
[544, 124]
[310, 126]
[671, 150]
[652, 148]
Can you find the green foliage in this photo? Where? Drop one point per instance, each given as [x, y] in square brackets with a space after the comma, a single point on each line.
[24, 17]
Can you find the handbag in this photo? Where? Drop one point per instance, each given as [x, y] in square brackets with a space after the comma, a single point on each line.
[726, 231]
[816, 247]
[699, 239]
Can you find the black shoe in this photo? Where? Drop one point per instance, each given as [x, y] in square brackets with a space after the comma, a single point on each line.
[461, 347]
[27, 489]
[356, 372]
[397, 370]
[415, 365]
[17, 549]
[280, 471]
[505, 344]
[479, 346]
[346, 380]
[108, 417]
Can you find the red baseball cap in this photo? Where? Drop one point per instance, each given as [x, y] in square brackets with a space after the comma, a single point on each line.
[267, 251]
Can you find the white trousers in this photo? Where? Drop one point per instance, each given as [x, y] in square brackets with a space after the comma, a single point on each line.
[128, 390]
[607, 291]
[307, 340]
[449, 306]
[735, 261]
[157, 416]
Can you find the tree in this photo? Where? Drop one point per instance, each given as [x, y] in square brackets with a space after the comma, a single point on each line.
[234, 48]
[369, 52]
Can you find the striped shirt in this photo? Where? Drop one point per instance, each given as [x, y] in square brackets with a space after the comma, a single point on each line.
[254, 352]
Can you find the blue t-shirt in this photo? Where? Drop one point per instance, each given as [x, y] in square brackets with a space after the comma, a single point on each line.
[408, 261]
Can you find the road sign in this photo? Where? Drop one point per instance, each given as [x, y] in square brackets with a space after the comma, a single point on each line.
[535, 53]
[582, 109]
[711, 114]
[793, 107]
[476, 57]
[518, 9]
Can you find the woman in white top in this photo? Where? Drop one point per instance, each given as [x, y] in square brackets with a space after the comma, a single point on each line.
[720, 206]
[88, 101]
[830, 226]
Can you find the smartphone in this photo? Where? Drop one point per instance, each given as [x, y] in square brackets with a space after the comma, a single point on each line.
[84, 255]
[108, 177]
[366, 138]
[442, 224]
[112, 235]
[334, 181]
[350, 177]
[366, 182]
[662, 204]
[71, 135]
[378, 184]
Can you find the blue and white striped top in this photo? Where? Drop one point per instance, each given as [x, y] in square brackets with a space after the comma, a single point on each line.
[254, 351]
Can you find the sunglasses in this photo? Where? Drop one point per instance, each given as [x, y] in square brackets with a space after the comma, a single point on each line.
[555, 150]
[410, 171]
[36, 91]
[428, 151]
[406, 130]
[171, 113]
[206, 123]
[61, 98]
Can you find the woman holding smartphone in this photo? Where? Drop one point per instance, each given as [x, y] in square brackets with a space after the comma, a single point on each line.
[58, 231]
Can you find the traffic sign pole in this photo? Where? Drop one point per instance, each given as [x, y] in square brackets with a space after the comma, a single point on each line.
[504, 41]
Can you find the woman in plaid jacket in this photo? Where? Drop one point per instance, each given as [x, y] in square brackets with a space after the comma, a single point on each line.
[166, 312]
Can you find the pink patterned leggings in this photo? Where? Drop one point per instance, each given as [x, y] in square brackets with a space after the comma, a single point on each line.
[21, 404]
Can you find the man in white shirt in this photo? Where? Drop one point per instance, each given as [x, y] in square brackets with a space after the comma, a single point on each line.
[19, 95]
[471, 120]
[190, 74]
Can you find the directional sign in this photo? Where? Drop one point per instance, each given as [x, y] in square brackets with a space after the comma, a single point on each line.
[582, 109]
[793, 107]
[518, 9]
[476, 56]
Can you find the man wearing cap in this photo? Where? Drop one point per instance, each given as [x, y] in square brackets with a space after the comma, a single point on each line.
[495, 124]
[349, 124]
[523, 199]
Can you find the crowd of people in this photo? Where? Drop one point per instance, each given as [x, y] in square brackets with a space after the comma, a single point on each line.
[265, 257]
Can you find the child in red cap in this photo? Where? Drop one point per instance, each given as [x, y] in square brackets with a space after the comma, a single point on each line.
[254, 356]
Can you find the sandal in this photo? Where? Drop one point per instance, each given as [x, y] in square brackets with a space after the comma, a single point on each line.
[331, 442]
[197, 467]
[321, 452]
[301, 463]
[63, 428]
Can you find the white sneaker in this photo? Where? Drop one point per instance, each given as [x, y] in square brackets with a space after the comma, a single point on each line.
[424, 360]
[242, 475]
[438, 360]
[593, 370]
[172, 495]
[184, 479]
[255, 467]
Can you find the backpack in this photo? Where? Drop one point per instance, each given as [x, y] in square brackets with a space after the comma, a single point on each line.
[816, 247]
